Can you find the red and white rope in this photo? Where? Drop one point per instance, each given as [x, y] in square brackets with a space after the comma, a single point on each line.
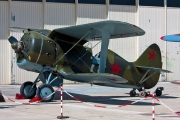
[27, 103]
[165, 105]
[101, 106]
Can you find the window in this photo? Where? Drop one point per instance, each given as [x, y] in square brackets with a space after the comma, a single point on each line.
[151, 3]
[173, 3]
[92, 1]
[29, 0]
[122, 2]
[61, 1]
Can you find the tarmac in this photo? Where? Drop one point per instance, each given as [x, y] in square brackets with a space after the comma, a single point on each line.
[108, 97]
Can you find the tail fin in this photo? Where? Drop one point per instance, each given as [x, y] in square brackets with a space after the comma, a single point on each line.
[151, 57]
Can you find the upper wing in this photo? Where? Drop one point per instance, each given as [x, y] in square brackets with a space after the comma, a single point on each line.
[171, 38]
[96, 78]
[42, 31]
[154, 69]
[116, 29]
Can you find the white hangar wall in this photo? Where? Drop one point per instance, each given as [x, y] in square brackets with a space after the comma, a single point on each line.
[173, 48]
[50, 15]
[58, 15]
[5, 49]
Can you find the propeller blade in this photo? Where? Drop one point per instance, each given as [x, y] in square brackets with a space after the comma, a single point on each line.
[12, 39]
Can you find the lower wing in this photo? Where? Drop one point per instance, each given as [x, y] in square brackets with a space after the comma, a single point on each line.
[96, 78]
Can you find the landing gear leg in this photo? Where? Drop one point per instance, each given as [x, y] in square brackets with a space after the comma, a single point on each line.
[133, 93]
[46, 91]
[143, 92]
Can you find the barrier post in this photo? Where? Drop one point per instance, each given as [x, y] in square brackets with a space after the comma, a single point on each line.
[61, 106]
[153, 109]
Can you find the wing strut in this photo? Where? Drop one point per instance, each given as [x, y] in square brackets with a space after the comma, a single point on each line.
[104, 49]
[143, 80]
[71, 48]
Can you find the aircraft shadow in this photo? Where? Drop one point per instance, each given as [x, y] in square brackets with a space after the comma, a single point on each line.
[108, 100]
[166, 96]
[161, 115]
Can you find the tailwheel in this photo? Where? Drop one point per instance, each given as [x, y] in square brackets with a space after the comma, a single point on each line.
[28, 90]
[142, 94]
[44, 91]
[132, 93]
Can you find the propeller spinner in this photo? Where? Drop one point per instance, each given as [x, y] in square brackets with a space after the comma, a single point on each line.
[18, 46]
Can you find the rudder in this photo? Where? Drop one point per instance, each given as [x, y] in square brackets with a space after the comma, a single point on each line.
[151, 57]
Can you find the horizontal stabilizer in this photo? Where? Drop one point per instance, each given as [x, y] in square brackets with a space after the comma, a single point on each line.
[154, 69]
[96, 78]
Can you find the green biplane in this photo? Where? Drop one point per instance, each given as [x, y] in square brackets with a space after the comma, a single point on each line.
[60, 54]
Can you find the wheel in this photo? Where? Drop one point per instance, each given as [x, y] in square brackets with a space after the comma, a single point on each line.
[158, 92]
[26, 90]
[43, 91]
[132, 93]
[143, 94]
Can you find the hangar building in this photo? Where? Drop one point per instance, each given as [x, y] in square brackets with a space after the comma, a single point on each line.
[156, 17]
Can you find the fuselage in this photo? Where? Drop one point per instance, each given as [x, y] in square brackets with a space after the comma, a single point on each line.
[57, 55]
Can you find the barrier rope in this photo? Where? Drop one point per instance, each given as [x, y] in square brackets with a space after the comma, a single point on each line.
[100, 106]
[34, 102]
[130, 103]
[165, 105]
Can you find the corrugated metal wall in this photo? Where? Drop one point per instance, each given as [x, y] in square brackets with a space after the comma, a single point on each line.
[125, 47]
[173, 48]
[59, 15]
[25, 15]
[88, 13]
[5, 58]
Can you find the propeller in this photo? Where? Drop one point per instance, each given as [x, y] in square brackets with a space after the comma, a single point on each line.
[18, 46]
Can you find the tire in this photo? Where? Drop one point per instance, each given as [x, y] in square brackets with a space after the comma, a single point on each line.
[158, 92]
[132, 93]
[24, 90]
[43, 91]
[142, 94]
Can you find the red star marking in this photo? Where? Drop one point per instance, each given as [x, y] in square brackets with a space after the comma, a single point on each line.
[112, 79]
[115, 68]
[152, 55]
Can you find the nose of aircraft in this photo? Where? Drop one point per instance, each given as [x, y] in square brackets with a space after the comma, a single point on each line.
[18, 46]
[162, 38]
